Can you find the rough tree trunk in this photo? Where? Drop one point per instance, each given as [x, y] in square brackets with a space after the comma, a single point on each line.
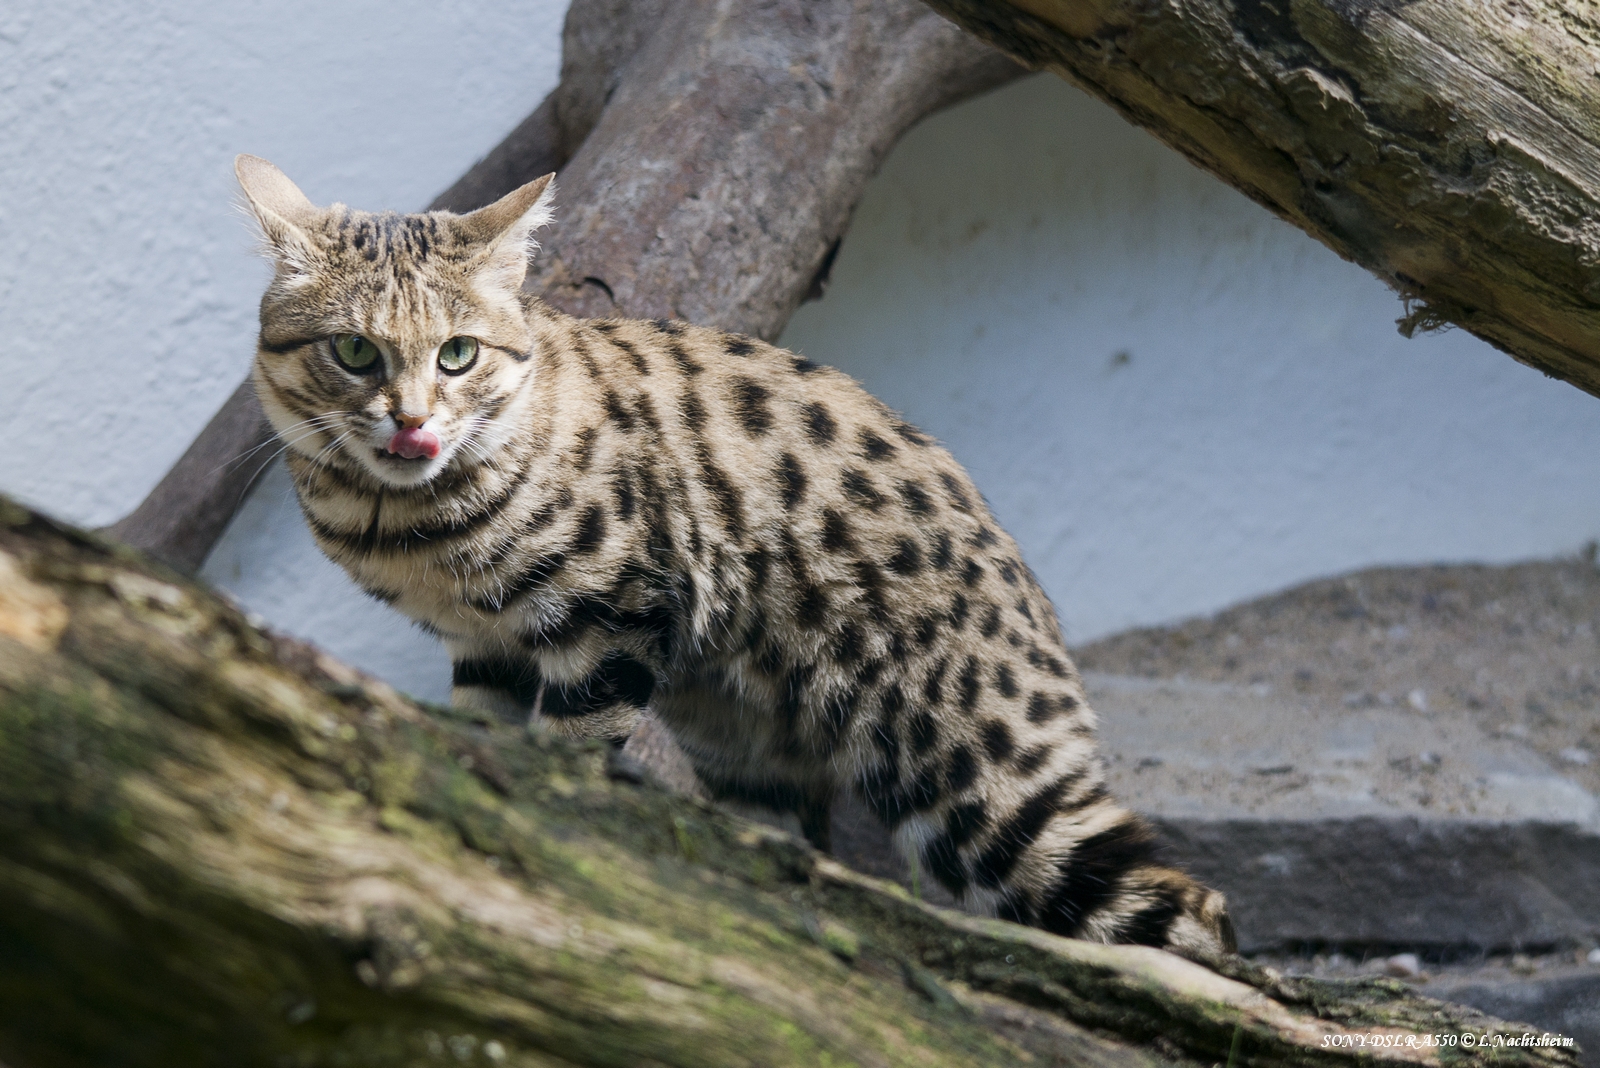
[1453, 149]
[723, 147]
[218, 846]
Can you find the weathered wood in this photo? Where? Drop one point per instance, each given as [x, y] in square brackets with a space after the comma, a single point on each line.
[717, 183]
[1453, 149]
[219, 846]
[734, 142]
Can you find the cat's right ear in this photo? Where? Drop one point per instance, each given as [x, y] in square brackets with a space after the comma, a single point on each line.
[282, 210]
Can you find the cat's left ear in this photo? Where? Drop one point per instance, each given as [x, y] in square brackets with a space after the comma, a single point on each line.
[505, 230]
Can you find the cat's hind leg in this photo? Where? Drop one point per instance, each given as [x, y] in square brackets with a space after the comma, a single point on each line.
[811, 806]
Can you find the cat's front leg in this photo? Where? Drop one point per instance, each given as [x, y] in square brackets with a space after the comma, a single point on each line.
[489, 679]
[602, 696]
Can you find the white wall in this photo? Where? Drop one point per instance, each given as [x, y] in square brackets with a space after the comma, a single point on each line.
[1268, 425]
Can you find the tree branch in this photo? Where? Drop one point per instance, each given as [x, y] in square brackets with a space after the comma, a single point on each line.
[218, 846]
[733, 149]
[1448, 148]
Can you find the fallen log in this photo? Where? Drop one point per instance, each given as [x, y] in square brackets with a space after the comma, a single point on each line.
[220, 846]
[1449, 148]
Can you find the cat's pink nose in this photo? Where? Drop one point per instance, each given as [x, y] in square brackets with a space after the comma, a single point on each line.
[414, 442]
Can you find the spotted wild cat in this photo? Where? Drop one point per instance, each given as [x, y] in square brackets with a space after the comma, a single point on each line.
[600, 516]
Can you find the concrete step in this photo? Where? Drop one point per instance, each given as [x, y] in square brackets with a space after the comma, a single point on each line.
[1328, 823]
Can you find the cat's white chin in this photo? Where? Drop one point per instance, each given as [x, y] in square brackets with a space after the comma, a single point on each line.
[403, 473]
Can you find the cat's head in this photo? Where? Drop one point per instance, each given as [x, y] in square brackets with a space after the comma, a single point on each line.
[391, 340]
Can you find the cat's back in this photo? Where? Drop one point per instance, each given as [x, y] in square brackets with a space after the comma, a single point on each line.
[784, 456]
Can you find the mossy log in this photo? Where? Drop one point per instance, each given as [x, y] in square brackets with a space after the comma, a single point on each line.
[219, 846]
[1451, 148]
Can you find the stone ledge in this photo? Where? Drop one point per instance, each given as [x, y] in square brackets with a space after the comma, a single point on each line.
[1396, 882]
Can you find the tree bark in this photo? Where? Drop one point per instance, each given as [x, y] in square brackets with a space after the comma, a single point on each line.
[719, 180]
[1450, 148]
[219, 846]
[730, 144]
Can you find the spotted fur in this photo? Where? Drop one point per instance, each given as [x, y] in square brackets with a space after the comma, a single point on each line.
[625, 515]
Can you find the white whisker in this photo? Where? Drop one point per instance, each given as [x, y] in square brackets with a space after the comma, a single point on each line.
[316, 423]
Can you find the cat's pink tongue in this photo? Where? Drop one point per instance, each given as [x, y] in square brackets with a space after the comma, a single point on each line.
[415, 442]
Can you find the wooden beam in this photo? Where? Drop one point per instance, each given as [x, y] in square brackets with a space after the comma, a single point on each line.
[1453, 149]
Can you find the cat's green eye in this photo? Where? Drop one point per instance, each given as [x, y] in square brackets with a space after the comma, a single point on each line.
[355, 352]
[458, 354]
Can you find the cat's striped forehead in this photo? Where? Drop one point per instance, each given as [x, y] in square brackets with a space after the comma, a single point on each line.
[336, 259]
[393, 237]
[402, 278]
